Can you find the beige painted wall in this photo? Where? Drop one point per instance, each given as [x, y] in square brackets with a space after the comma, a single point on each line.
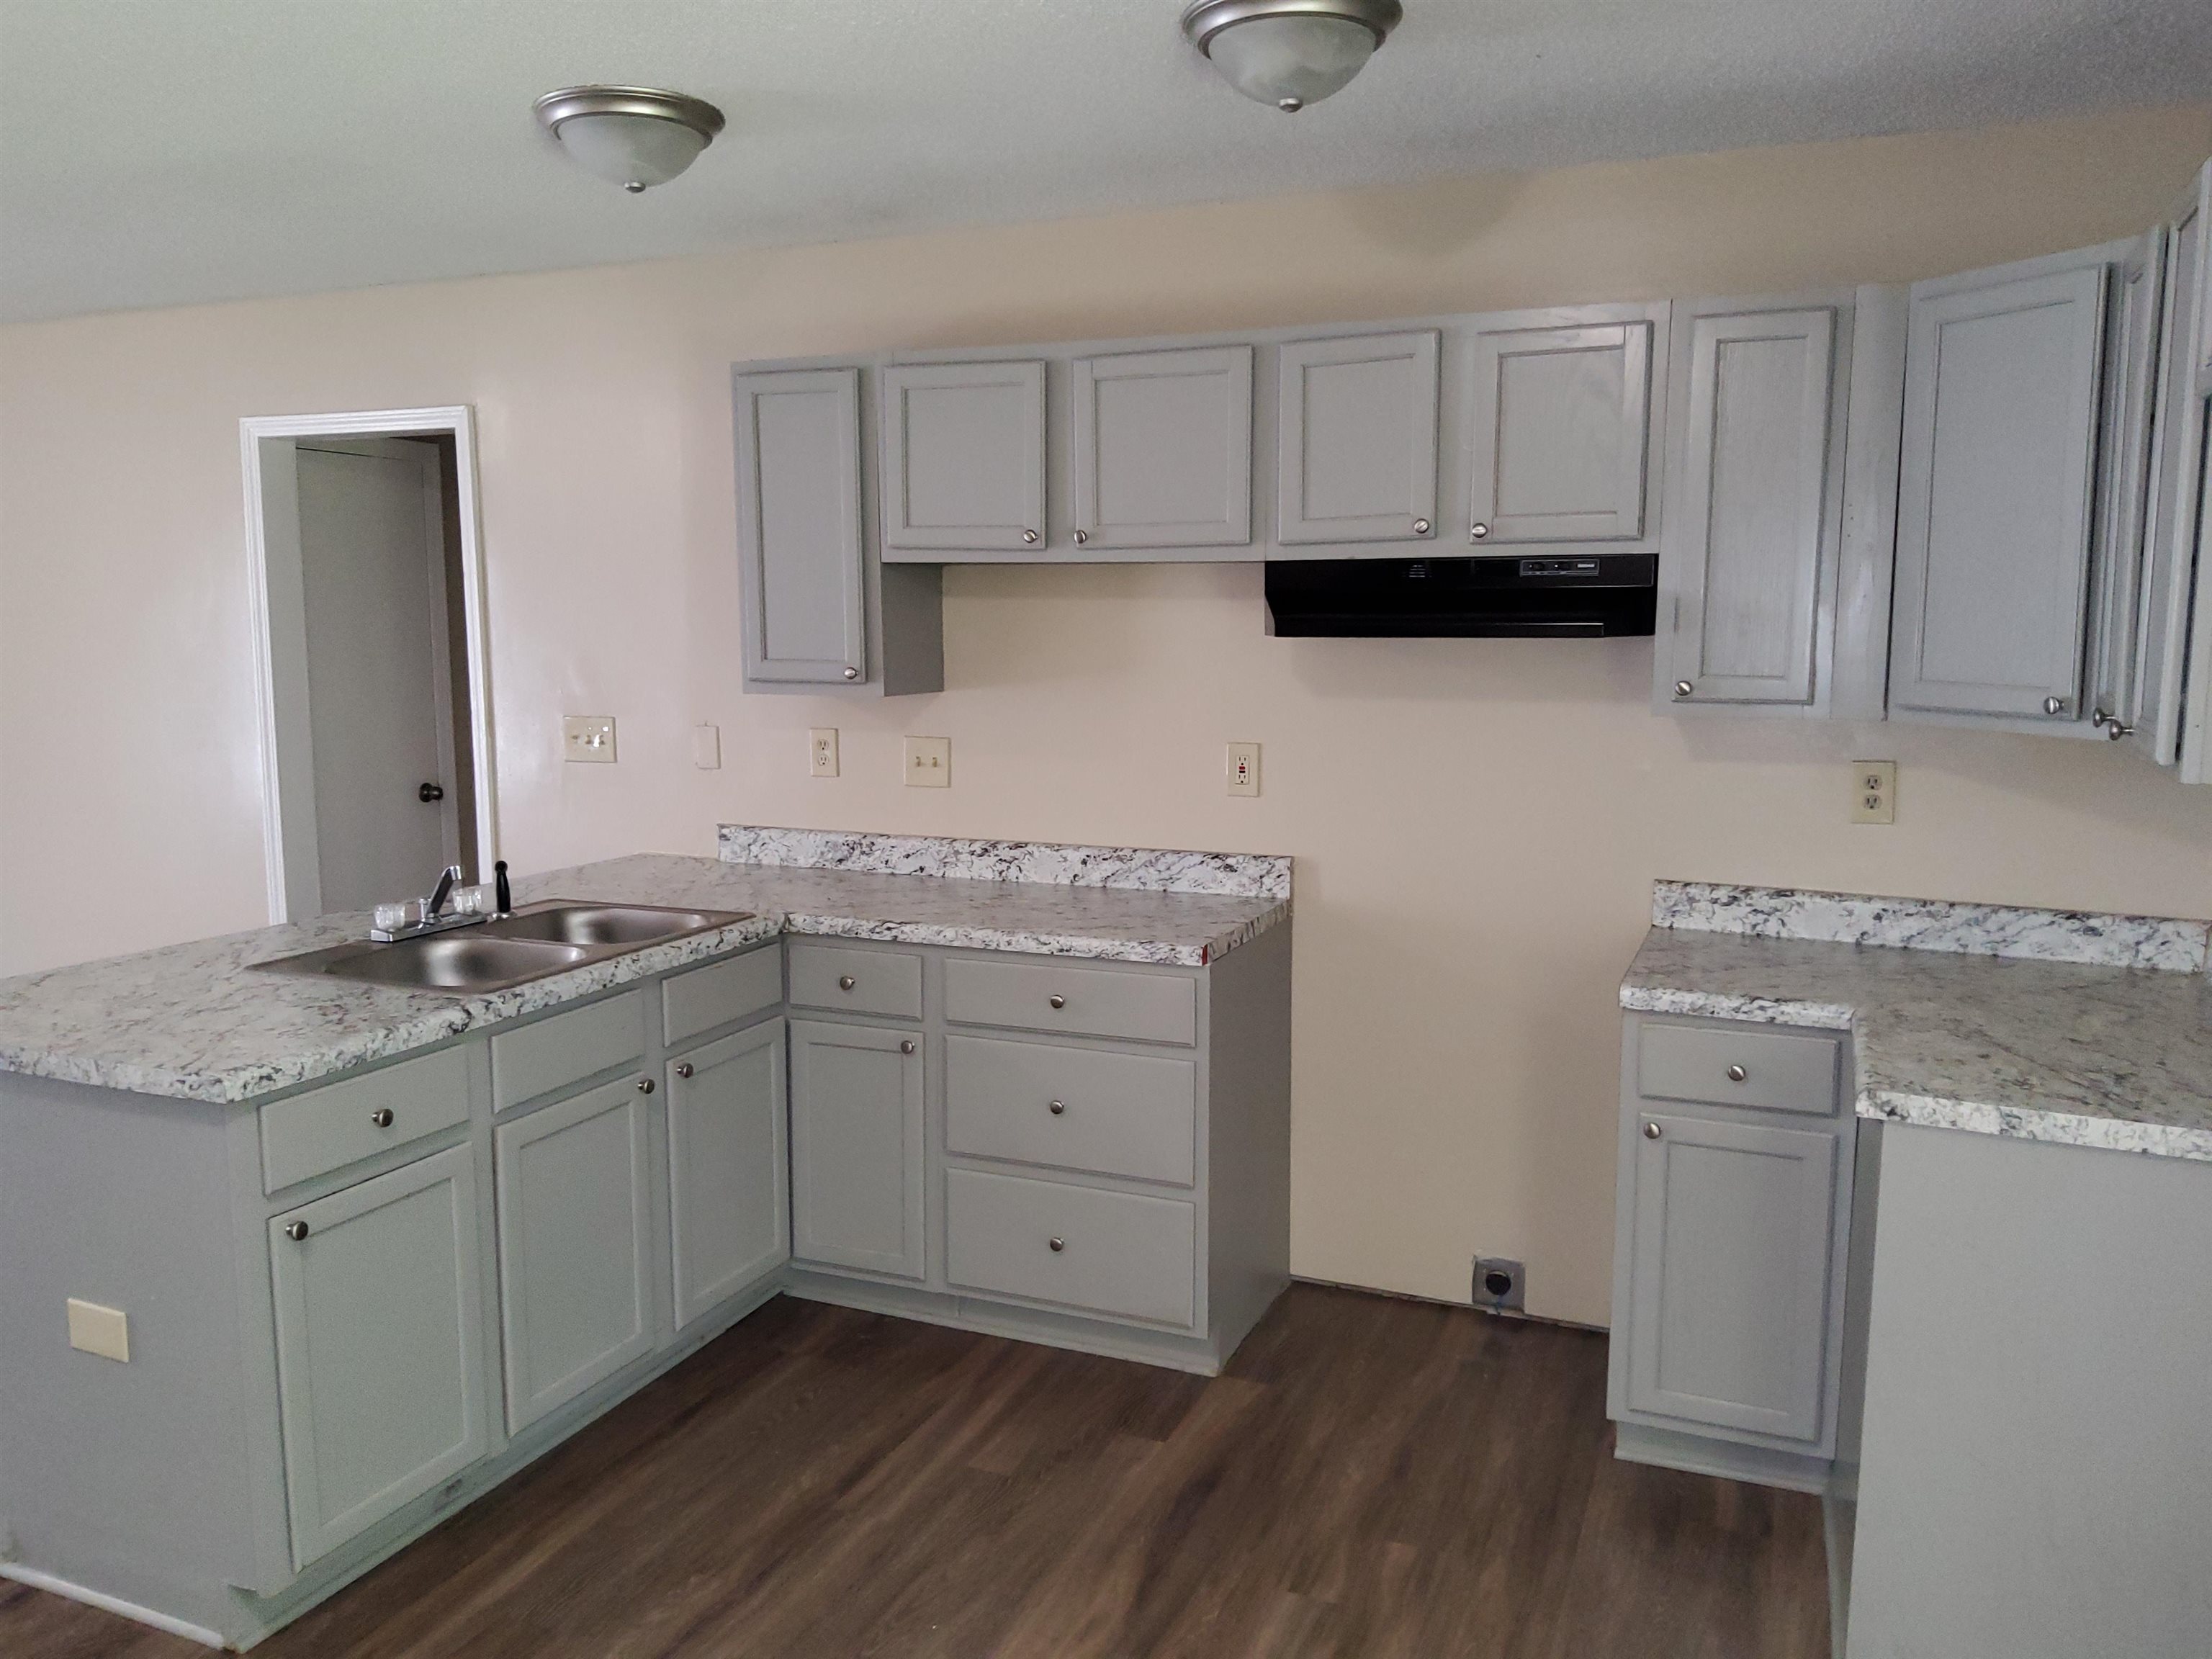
[1476, 823]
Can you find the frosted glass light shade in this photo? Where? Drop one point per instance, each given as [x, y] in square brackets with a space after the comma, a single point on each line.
[633, 151]
[1291, 61]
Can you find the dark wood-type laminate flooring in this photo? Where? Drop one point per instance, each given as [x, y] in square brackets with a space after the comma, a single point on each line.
[1374, 1478]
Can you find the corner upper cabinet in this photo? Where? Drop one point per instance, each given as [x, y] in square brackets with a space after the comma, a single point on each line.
[1754, 486]
[1162, 444]
[963, 456]
[1560, 423]
[1356, 439]
[799, 525]
[1997, 492]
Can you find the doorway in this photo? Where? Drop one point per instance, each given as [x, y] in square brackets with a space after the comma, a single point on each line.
[374, 706]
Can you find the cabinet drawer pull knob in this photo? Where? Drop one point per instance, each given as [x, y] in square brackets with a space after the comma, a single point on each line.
[845, 981]
[1651, 1132]
[1475, 532]
[381, 1117]
[683, 1068]
[1081, 536]
[1683, 688]
[645, 1085]
[1059, 1244]
[906, 1047]
[1736, 1074]
[1057, 1002]
[295, 1231]
[2054, 705]
[1030, 536]
[1057, 1107]
[1420, 526]
[851, 673]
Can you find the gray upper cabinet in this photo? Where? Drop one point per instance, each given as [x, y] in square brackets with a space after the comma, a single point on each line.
[1162, 449]
[1996, 492]
[728, 1217]
[2176, 484]
[856, 1147]
[799, 525]
[576, 1248]
[379, 1345]
[1559, 426]
[1356, 439]
[1729, 1305]
[963, 455]
[2123, 475]
[1755, 493]
[2204, 286]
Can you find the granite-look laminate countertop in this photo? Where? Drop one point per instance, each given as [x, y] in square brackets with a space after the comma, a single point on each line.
[1948, 1033]
[195, 1021]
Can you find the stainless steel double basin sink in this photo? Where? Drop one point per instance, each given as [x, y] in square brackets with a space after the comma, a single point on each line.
[546, 938]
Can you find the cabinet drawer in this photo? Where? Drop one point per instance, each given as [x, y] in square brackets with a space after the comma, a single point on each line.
[311, 1134]
[536, 1060]
[1079, 1109]
[1779, 1072]
[856, 982]
[1060, 996]
[703, 998]
[1119, 1254]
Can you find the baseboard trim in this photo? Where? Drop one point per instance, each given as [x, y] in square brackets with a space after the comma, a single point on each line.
[106, 1603]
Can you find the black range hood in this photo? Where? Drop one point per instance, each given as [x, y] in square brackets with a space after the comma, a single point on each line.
[1599, 596]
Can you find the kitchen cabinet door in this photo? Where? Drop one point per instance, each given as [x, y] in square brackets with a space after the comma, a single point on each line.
[1356, 439]
[2177, 476]
[2123, 486]
[1163, 449]
[1996, 491]
[801, 560]
[2204, 286]
[728, 1217]
[856, 1148]
[963, 455]
[380, 1347]
[574, 1245]
[1754, 486]
[1559, 424]
[1729, 1286]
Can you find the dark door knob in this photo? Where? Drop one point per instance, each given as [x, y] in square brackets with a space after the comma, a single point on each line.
[430, 791]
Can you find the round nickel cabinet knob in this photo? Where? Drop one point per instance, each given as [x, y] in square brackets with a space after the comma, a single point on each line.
[1081, 536]
[2054, 705]
[1683, 688]
[1059, 1244]
[381, 1117]
[1057, 1002]
[295, 1231]
[906, 1047]
[1651, 1132]
[1057, 1107]
[1030, 536]
[1420, 526]
[683, 1068]
[1475, 532]
[844, 982]
[645, 1085]
[851, 673]
[1736, 1074]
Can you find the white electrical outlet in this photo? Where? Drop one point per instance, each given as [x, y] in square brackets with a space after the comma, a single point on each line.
[1243, 768]
[1873, 791]
[822, 751]
[588, 737]
[929, 763]
[707, 747]
[103, 1331]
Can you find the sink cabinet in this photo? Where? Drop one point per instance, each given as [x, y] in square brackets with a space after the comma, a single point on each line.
[729, 1212]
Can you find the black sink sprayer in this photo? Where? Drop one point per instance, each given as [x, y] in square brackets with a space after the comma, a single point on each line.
[502, 898]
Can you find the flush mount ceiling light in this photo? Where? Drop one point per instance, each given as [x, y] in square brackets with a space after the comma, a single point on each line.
[1289, 53]
[633, 137]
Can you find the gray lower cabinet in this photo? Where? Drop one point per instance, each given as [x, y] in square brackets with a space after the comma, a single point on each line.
[1356, 439]
[1128, 1255]
[380, 1357]
[856, 1147]
[729, 1220]
[963, 455]
[575, 1245]
[1732, 1227]
[1162, 449]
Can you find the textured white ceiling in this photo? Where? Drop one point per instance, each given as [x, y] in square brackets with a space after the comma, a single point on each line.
[158, 152]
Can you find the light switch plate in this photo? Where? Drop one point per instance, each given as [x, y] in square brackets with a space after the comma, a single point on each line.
[1243, 768]
[103, 1331]
[1873, 791]
[929, 763]
[707, 747]
[588, 737]
[822, 751]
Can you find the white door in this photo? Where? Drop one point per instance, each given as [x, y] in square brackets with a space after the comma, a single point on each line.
[380, 689]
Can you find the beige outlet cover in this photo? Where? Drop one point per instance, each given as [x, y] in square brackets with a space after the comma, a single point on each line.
[929, 763]
[103, 1331]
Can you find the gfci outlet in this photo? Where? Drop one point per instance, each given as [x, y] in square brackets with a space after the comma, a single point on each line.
[588, 737]
[1500, 1284]
[822, 751]
[929, 763]
[1873, 791]
[1243, 768]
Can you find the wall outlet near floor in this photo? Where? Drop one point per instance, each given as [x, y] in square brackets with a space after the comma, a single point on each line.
[103, 1331]
[929, 763]
[1873, 791]
[1501, 1285]
[822, 751]
[707, 747]
[588, 737]
[1243, 768]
